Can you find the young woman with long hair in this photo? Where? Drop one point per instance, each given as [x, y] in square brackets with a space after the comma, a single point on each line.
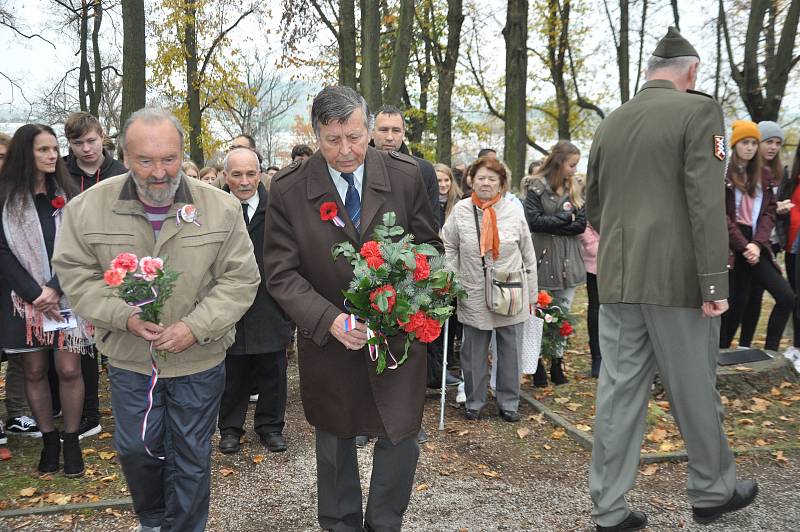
[449, 191]
[556, 218]
[750, 208]
[34, 187]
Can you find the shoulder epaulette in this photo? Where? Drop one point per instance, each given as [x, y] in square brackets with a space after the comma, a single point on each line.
[690, 91]
[402, 157]
[286, 170]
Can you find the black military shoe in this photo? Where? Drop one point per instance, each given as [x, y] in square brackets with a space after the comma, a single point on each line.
[634, 521]
[509, 415]
[229, 444]
[744, 493]
[274, 442]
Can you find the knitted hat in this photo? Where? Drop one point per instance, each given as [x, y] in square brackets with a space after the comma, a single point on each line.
[743, 129]
[674, 45]
[770, 130]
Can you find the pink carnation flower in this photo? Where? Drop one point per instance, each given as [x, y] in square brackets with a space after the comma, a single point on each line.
[125, 261]
[114, 277]
[150, 267]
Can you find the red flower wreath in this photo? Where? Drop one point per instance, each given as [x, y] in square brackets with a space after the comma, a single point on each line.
[58, 202]
[328, 211]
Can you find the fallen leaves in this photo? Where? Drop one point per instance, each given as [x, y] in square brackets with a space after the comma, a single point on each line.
[109, 478]
[57, 498]
[650, 470]
[778, 455]
[257, 459]
[583, 428]
[558, 433]
[746, 421]
[759, 404]
[491, 474]
[657, 435]
[463, 432]
[226, 472]
[27, 492]
[106, 455]
[573, 407]
[422, 487]
[522, 432]
[743, 369]
[105, 436]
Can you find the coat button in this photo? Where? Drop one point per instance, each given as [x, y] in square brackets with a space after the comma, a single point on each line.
[206, 340]
[305, 333]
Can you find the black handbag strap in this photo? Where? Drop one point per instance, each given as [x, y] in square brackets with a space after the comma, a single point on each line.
[478, 229]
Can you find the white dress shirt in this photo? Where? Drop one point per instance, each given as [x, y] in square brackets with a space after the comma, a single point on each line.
[252, 205]
[341, 184]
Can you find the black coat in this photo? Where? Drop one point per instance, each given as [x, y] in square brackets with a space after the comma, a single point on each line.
[265, 327]
[110, 168]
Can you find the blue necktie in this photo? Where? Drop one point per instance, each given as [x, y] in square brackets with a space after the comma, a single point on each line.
[352, 202]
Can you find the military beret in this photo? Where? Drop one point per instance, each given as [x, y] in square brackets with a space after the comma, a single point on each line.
[674, 45]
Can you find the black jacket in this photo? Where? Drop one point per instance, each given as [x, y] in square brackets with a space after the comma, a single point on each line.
[110, 168]
[265, 327]
[431, 183]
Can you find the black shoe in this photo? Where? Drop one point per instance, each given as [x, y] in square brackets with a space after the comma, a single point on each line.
[557, 372]
[540, 377]
[472, 415]
[274, 442]
[89, 427]
[73, 458]
[634, 521]
[744, 493]
[229, 444]
[422, 435]
[509, 415]
[596, 367]
[362, 441]
[51, 452]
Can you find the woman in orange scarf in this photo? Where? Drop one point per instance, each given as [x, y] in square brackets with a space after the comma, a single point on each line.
[487, 230]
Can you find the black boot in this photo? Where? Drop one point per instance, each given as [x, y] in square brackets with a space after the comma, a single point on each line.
[73, 458]
[51, 452]
[540, 377]
[557, 372]
[596, 367]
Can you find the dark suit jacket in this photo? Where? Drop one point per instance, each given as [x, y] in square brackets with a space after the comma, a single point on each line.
[265, 327]
[340, 390]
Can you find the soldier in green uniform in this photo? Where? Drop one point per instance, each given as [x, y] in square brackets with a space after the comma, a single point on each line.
[655, 193]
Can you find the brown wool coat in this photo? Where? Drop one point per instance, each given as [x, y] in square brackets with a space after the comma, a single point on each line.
[341, 392]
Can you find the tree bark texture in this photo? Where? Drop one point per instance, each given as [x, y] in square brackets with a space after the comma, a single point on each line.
[370, 54]
[134, 89]
[347, 43]
[97, 94]
[447, 78]
[192, 85]
[623, 54]
[557, 46]
[84, 76]
[402, 51]
[516, 37]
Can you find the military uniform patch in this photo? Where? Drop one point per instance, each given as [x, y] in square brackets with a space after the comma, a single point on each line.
[719, 147]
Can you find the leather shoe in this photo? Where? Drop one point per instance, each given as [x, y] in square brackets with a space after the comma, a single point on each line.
[229, 444]
[472, 415]
[744, 493]
[509, 415]
[274, 442]
[634, 521]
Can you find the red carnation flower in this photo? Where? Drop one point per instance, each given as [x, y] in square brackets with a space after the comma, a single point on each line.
[423, 269]
[328, 211]
[58, 202]
[371, 251]
[125, 261]
[391, 295]
[415, 322]
[544, 299]
[429, 331]
[565, 329]
[114, 277]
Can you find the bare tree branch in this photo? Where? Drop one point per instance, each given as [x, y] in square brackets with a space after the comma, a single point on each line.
[219, 39]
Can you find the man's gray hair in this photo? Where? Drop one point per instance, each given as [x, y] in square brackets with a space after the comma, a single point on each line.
[337, 103]
[226, 160]
[151, 115]
[676, 64]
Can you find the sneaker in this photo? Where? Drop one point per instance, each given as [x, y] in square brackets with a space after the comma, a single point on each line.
[23, 426]
[88, 428]
[461, 396]
[792, 353]
[3, 439]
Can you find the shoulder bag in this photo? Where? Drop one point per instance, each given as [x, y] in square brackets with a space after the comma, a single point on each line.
[503, 290]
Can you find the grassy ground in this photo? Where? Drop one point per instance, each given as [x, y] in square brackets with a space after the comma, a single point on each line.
[769, 419]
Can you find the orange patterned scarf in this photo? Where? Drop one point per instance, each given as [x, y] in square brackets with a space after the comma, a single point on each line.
[490, 238]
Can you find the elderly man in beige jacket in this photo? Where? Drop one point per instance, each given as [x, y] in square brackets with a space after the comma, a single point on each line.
[166, 463]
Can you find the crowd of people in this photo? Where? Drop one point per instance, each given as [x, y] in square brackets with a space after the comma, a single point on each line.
[644, 231]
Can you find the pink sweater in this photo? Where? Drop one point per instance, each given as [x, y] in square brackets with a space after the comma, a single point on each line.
[590, 240]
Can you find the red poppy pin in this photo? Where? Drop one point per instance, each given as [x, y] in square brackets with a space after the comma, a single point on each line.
[329, 211]
[58, 202]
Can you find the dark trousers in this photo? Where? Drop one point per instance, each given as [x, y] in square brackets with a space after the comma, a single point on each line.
[791, 273]
[741, 279]
[172, 493]
[339, 486]
[266, 373]
[592, 315]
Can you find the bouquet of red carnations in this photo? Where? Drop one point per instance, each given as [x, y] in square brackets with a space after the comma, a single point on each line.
[557, 327]
[397, 286]
[145, 283]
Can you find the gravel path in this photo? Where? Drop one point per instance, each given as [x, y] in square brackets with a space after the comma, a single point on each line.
[472, 477]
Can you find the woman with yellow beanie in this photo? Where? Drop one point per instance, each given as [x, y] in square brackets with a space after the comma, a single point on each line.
[750, 208]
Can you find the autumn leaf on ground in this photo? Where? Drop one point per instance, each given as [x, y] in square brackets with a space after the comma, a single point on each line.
[88, 451]
[786, 384]
[491, 474]
[786, 418]
[27, 492]
[257, 459]
[760, 405]
[736, 404]
[583, 428]
[109, 478]
[743, 369]
[664, 405]
[775, 392]
[724, 400]
[106, 456]
[483, 466]
[745, 421]
[463, 433]
[523, 431]
[422, 487]
[667, 447]
[656, 435]
[429, 446]
[539, 418]
[562, 400]
[548, 447]
[105, 436]
[769, 423]
[794, 398]
[558, 433]
[225, 472]
[761, 442]
[780, 458]
[650, 470]
[573, 407]
[58, 498]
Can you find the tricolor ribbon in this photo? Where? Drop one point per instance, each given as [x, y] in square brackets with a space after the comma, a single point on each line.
[338, 222]
[350, 323]
[150, 390]
[374, 349]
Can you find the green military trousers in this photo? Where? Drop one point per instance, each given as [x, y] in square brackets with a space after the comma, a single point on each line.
[636, 340]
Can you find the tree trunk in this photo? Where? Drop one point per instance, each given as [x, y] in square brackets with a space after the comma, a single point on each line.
[447, 79]
[97, 93]
[516, 37]
[623, 56]
[417, 122]
[402, 50]
[347, 43]
[133, 58]
[192, 85]
[675, 15]
[557, 46]
[370, 54]
[84, 77]
[641, 47]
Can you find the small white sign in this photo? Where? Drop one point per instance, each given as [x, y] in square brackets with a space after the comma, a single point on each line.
[68, 321]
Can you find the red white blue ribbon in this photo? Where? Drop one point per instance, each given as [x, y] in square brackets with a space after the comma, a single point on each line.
[373, 349]
[350, 323]
[338, 222]
[150, 390]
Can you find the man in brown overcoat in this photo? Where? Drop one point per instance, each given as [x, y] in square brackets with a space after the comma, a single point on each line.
[342, 395]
